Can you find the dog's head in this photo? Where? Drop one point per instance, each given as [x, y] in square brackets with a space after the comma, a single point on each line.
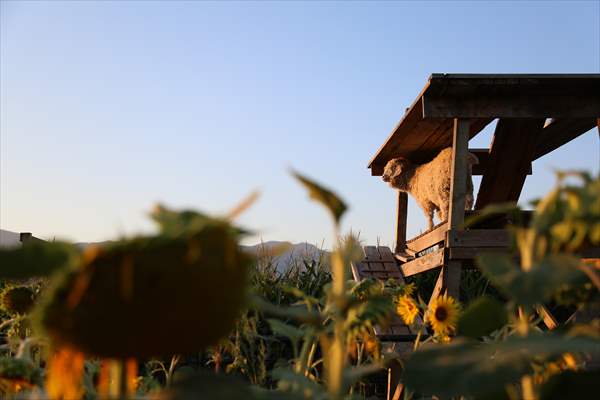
[395, 167]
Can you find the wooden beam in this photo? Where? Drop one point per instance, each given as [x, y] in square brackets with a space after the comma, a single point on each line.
[560, 132]
[483, 155]
[424, 263]
[470, 253]
[437, 289]
[537, 105]
[426, 240]
[458, 173]
[420, 141]
[478, 238]
[511, 153]
[401, 215]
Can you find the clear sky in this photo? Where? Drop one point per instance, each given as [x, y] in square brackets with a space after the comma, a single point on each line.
[109, 107]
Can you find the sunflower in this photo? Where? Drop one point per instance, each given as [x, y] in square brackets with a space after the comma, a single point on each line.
[443, 315]
[407, 308]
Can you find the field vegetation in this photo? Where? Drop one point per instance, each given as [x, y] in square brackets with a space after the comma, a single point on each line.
[186, 314]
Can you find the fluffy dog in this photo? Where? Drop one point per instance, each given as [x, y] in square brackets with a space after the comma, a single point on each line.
[429, 183]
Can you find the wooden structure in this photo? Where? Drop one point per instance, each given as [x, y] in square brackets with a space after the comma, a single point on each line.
[535, 115]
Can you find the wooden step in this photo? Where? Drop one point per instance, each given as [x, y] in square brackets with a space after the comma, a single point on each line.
[380, 263]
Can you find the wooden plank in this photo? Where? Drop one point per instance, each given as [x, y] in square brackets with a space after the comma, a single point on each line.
[386, 254]
[399, 338]
[428, 239]
[395, 275]
[512, 106]
[377, 267]
[371, 253]
[512, 95]
[379, 263]
[469, 253]
[425, 150]
[478, 238]
[512, 149]
[401, 217]
[560, 132]
[445, 139]
[458, 172]
[423, 263]
[404, 257]
[356, 271]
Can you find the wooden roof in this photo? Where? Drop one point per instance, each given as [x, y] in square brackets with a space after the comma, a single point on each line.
[571, 100]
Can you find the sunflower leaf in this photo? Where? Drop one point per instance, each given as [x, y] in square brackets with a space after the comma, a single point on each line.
[471, 368]
[326, 197]
[482, 317]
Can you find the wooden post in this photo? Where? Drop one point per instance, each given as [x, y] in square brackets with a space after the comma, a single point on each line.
[458, 183]
[402, 212]
[458, 188]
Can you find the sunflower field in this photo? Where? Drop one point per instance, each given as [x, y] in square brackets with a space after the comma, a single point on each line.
[186, 314]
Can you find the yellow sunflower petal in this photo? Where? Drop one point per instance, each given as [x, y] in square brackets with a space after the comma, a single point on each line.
[407, 309]
[443, 315]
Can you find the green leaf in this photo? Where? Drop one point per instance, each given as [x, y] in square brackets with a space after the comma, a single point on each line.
[19, 369]
[354, 374]
[531, 287]
[577, 385]
[36, 259]
[298, 314]
[281, 328]
[208, 386]
[324, 196]
[293, 383]
[472, 368]
[482, 317]
[174, 223]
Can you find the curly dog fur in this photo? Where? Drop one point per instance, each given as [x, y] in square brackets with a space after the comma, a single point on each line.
[429, 183]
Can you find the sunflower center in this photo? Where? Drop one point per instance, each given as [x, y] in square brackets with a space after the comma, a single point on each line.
[441, 314]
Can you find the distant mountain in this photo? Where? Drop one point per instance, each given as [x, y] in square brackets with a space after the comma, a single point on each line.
[285, 254]
[281, 254]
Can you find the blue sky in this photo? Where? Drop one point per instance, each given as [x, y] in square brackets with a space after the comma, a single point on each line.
[110, 107]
